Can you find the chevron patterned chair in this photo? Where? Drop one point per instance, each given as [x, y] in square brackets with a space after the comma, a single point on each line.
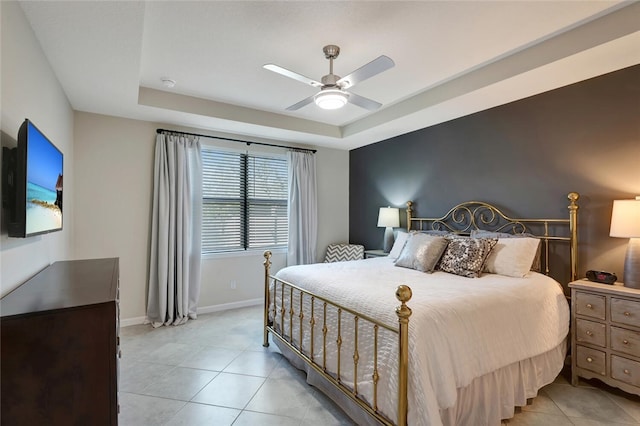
[343, 252]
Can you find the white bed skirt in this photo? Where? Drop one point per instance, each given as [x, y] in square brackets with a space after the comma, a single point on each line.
[486, 401]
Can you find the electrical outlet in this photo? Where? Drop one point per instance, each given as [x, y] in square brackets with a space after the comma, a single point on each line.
[232, 285]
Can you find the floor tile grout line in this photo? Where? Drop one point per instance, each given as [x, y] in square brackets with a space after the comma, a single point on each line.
[176, 413]
[554, 403]
[149, 384]
[249, 401]
[273, 414]
[588, 388]
[608, 395]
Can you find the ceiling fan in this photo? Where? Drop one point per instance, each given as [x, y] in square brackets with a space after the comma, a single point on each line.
[333, 88]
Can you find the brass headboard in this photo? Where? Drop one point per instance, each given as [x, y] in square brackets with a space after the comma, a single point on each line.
[477, 215]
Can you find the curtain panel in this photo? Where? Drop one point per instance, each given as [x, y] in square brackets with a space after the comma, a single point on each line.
[174, 267]
[302, 208]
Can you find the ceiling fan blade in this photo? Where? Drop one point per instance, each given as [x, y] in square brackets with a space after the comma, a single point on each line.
[300, 104]
[374, 67]
[363, 102]
[294, 75]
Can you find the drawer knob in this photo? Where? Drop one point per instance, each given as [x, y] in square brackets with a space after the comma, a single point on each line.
[625, 342]
[589, 333]
[626, 371]
[120, 354]
[589, 359]
[627, 314]
[589, 305]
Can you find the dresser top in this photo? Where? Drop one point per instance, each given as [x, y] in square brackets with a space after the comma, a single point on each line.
[62, 285]
[617, 288]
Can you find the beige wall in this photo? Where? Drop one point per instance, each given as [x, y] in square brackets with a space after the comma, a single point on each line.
[114, 173]
[114, 183]
[29, 89]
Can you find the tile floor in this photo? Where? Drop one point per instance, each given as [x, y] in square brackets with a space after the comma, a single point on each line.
[214, 371]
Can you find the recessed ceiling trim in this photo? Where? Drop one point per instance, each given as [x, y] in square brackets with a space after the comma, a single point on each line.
[205, 107]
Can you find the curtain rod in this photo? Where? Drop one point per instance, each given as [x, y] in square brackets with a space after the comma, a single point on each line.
[237, 140]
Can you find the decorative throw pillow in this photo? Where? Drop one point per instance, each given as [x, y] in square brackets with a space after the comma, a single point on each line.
[512, 256]
[343, 252]
[536, 264]
[422, 252]
[466, 256]
[398, 244]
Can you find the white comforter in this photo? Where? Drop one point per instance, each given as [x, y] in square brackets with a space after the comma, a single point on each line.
[460, 329]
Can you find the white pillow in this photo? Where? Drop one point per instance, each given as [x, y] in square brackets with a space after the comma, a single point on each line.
[398, 245]
[512, 256]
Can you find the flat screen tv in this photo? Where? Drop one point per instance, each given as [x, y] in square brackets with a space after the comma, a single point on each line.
[36, 178]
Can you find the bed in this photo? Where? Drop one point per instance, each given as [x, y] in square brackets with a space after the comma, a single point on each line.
[448, 349]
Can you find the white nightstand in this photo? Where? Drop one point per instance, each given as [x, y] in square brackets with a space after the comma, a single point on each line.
[374, 253]
[605, 334]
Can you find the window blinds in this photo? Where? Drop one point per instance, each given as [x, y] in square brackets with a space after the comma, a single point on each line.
[244, 201]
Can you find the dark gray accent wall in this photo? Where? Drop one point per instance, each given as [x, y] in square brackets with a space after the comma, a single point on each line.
[523, 157]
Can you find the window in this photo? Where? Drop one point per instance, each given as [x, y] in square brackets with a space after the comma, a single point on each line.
[244, 201]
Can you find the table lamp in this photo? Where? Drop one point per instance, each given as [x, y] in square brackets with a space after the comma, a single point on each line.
[625, 223]
[388, 218]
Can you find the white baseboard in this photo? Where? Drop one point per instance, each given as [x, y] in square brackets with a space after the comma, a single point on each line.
[132, 321]
[201, 310]
[227, 306]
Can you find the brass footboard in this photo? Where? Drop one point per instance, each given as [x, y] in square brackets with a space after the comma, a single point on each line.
[290, 315]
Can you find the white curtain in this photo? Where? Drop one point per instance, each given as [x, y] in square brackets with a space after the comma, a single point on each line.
[303, 208]
[174, 267]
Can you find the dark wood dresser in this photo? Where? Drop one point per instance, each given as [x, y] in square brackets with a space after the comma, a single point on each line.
[59, 346]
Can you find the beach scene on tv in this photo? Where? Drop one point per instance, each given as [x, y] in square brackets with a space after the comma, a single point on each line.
[44, 184]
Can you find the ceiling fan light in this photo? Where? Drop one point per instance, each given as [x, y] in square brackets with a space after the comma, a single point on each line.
[331, 99]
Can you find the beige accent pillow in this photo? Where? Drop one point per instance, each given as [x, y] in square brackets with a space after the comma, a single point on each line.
[422, 252]
[512, 256]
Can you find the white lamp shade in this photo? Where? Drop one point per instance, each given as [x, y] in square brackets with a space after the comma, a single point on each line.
[625, 219]
[331, 99]
[389, 217]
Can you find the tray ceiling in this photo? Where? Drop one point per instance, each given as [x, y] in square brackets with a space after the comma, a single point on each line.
[451, 59]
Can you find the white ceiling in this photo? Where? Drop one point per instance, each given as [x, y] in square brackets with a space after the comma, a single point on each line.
[452, 59]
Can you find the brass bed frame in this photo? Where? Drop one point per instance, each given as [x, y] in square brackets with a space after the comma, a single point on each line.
[461, 219]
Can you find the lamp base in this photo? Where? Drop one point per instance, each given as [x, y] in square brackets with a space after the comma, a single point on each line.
[632, 264]
[388, 239]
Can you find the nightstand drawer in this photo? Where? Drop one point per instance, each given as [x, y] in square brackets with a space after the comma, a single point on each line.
[591, 359]
[625, 311]
[590, 305]
[591, 332]
[627, 341]
[625, 370]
